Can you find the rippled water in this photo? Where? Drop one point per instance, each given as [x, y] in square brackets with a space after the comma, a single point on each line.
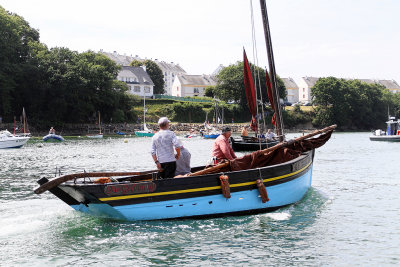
[350, 217]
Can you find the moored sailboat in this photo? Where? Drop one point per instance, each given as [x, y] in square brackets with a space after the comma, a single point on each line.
[145, 132]
[100, 134]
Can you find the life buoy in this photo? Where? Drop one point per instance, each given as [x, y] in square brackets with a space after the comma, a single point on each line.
[398, 132]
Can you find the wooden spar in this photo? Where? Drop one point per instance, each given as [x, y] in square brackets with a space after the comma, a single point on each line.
[59, 180]
[220, 166]
[271, 62]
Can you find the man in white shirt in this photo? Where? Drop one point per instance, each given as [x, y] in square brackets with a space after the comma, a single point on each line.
[162, 149]
[270, 135]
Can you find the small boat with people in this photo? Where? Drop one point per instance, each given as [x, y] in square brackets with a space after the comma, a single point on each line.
[52, 136]
[392, 133]
[247, 143]
[262, 181]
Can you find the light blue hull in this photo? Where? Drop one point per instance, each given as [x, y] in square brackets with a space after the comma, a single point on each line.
[240, 202]
[211, 136]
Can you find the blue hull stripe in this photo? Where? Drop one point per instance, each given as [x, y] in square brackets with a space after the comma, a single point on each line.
[248, 200]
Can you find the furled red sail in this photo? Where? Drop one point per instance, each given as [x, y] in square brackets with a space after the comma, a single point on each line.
[270, 97]
[250, 91]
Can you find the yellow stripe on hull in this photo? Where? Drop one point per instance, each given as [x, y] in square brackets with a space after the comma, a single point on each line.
[200, 189]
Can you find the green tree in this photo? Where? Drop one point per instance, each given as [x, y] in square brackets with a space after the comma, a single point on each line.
[230, 85]
[209, 91]
[351, 104]
[154, 72]
[16, 36]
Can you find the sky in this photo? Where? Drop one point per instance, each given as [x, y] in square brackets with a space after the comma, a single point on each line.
[341, 38]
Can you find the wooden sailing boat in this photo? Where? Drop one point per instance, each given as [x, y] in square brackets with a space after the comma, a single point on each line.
[100, 134]
[262, 181]
[145, 132]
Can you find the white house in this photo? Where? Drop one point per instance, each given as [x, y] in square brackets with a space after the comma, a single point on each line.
[391, 85]
[292, 90]
[138, 81]
[170, 70]
[191, 85]
[305, 84]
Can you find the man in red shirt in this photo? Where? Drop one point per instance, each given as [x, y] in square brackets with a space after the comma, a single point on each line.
[221, 148]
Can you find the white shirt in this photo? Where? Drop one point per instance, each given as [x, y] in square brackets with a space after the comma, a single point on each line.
[163, 144]
[270, 136]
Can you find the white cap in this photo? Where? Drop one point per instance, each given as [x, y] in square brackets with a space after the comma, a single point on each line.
[180, 144]
[163, 120]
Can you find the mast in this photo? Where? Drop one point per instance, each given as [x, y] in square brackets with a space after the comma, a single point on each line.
[268, 42]
[144, 109]
[24, 118]
[99, 122]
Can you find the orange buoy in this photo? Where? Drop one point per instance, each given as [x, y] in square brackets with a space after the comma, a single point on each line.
[226, 190]
[262, 190]
[398, 132]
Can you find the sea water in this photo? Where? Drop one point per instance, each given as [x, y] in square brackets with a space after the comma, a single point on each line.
[350, 216]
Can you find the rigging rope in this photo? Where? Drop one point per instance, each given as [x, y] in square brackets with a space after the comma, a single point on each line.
[257, 76]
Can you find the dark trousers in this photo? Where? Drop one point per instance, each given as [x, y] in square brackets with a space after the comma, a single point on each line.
[168, 169]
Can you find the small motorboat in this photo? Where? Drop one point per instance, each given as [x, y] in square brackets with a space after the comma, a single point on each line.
[9, 140]
[53, 137]
[94, 136]
[392, 133]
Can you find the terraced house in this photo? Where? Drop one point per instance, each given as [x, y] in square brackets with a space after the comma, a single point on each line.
[191, 85]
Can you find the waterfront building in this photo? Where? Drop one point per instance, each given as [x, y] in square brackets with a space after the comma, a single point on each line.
[191, 85]
[391, 85]
[292, 90]
[305, 84]
[170, 70]
[138, 81]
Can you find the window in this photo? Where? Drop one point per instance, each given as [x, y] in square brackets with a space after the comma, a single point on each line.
[304, 90]
[137, 89]
[177, 88]
[304, 96]
[147, 89]
[195, 90]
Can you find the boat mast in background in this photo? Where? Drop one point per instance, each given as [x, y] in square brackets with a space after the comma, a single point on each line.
[268, 42]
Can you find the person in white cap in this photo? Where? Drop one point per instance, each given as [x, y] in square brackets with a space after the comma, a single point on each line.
[162, 149]
[183, 163]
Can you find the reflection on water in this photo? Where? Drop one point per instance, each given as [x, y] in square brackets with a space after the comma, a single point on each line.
[349, 216]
